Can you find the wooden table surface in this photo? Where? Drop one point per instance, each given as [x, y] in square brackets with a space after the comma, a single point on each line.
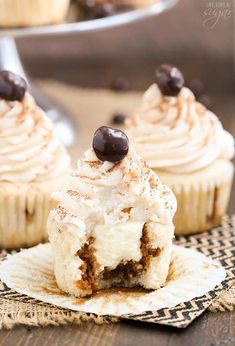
[209, 330]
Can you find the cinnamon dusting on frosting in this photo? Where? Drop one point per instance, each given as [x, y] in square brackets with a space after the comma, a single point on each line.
[61, 212]
[77, 194]
[115, 166]
[94, 164]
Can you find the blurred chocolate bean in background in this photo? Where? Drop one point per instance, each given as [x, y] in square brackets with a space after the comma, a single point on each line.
[120, 83]
[118, 118]
[205, 100]
[196, 86]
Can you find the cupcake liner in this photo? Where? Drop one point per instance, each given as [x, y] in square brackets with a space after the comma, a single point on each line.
[24, 209]
[191, 275]
[32, 12]
[202, 197]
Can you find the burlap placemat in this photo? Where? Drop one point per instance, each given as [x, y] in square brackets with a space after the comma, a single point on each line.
[90, 109]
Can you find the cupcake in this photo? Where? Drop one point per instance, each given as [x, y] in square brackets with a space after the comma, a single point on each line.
[32, 165]
[112, 226]
[187, 146]
[20, 13]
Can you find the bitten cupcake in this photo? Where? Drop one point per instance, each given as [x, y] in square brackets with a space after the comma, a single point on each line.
[113, 225]
[32, 165]
[187, 146]
[20, 13]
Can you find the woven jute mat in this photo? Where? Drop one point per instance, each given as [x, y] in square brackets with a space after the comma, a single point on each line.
[90, 109]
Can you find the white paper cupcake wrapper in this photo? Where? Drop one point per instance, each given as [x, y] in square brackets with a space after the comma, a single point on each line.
[191, 275]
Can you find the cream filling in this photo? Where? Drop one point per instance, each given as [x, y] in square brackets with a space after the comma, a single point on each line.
[118, 243]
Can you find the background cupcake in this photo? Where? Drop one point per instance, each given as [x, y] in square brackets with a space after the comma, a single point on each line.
[188, 147]
[32, 165]
[17, 13]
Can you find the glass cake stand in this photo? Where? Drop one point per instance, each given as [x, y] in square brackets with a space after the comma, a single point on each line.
[10, 59]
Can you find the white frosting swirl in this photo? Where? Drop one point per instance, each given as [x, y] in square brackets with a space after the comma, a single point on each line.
[178, 134]
[100, 192]
[29, 150]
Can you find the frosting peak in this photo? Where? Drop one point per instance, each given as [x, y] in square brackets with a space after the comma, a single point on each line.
[178, 134]
[101, 192]
[29, 150]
